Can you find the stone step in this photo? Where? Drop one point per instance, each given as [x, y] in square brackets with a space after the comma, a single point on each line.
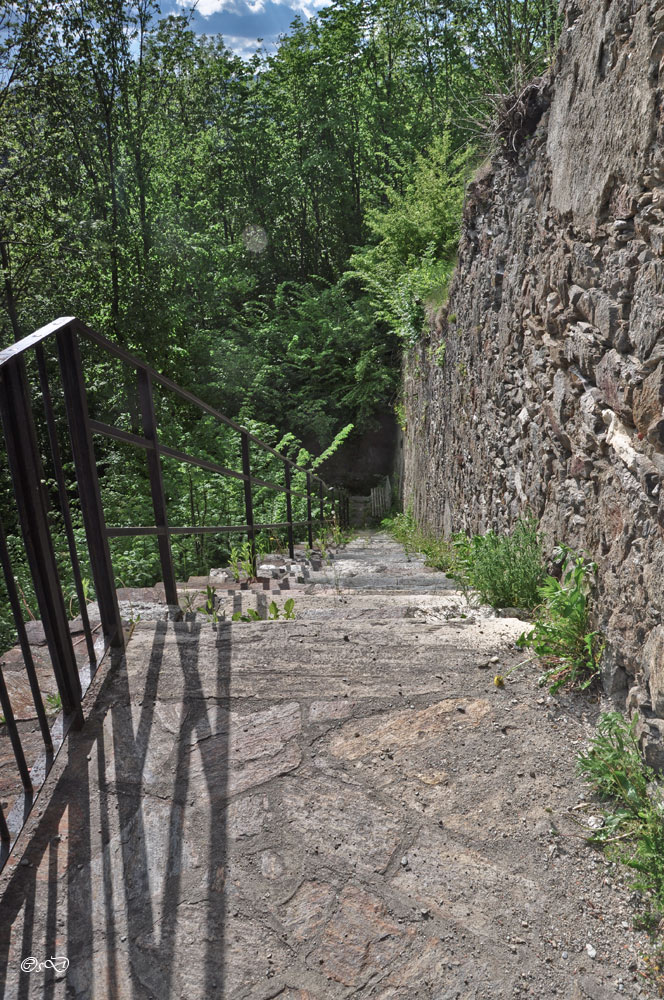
[381, 582]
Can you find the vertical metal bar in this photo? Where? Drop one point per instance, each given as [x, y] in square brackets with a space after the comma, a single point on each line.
[289, 510]
[248, 499]
[64, 501]
[4, 829]
[31, 503]
[15, 605]
[149, 421]
[310, 531]
[12, 728]
[88, 484]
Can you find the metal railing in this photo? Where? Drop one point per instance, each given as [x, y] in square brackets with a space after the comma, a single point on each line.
[18, 405]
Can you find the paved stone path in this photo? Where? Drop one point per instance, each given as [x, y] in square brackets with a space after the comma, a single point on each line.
[343, 805]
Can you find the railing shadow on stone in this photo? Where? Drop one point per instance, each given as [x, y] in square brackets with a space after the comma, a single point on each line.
[58, 379]
[132, 835]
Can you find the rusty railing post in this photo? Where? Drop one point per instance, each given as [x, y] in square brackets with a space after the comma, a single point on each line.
[149, 422]
[80, 434]
[32, 506]
[248, 500]
[289, 510]
[28, 661]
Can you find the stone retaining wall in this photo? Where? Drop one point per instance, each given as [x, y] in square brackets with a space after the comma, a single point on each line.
[542, 384]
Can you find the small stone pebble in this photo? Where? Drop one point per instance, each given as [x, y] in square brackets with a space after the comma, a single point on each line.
[592, 952]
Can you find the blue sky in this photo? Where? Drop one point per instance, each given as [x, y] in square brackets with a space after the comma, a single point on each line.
[242, 22]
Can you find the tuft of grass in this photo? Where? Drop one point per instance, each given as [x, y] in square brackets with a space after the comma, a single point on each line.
[561, 635]
[54, 702]
[505, 570]
[438, 553]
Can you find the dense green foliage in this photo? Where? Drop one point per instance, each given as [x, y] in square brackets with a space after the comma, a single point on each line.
[266, 232]
[247, 225]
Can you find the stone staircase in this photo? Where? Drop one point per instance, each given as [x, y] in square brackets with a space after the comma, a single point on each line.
[340, 805]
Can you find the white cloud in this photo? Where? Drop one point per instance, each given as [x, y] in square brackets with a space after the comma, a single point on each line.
[245, 47]
[305, 7]
[206, 8]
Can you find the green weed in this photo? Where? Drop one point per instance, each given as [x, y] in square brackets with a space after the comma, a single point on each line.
[288, 612]
[561, 635]
[340, 536]
[437, 552]
[273, 613]
[54, 702]
[633, 830]
[505, 570]
[235, 562]
[211, 608]
[250, 615]
[241, 561]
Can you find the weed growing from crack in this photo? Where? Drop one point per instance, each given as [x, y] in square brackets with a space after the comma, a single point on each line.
[633, 820]
[561, 635]
[438, 553]
[54, 702]
[507, 571]
[241, 561]
[211, 607]
[273, 613]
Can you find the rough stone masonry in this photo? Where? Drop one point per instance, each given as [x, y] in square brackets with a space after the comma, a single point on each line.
[551, 390]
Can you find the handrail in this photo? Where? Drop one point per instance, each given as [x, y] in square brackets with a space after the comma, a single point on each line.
[25, 462]
[51, 329]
